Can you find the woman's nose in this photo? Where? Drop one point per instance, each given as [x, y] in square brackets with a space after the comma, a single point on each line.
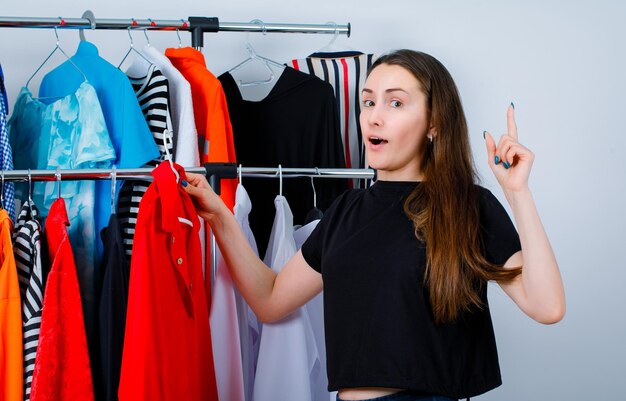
[374, 116]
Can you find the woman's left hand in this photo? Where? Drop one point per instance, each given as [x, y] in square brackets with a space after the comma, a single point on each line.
[510, 161]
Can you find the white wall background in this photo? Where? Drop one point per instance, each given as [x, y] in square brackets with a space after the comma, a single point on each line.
[563, 63]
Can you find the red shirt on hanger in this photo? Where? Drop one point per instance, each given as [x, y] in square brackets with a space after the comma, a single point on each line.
[62, 370]
[167, 345]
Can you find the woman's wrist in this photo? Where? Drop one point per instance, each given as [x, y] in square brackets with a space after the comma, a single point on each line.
[516, 196]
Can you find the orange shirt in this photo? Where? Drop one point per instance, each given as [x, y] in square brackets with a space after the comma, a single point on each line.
[215, 133]
[11, 368]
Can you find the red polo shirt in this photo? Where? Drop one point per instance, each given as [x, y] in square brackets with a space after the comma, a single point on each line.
[167, 345]
[62, 370]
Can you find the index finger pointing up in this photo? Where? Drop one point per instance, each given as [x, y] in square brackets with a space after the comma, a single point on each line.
[510, 121]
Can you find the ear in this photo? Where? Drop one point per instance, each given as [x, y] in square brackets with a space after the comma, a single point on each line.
[432, 133]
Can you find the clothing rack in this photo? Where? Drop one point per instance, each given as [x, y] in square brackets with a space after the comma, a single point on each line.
[213, 171]
[197, 26]
[208, 170]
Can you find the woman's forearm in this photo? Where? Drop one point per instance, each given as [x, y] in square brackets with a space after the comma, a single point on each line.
[541, 279]
[253, 278]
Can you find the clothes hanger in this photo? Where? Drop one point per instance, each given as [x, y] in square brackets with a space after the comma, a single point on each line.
[252, 56]
[132, 48]
[57, 175]
[168, 156]
[145, 33]
[280, 180]
[113, 187]
[88, 14]
[180, 42]
[30, 192]
[2, 192]
[331, 47]
[57, 47]
[315, 213]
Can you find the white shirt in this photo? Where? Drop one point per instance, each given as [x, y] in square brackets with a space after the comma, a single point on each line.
[249, 326]
[225, 336]
[315, 309]
[288, 354]
[181, 106]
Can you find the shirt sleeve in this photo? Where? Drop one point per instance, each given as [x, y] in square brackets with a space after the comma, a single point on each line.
[500, 238]
[312, 247]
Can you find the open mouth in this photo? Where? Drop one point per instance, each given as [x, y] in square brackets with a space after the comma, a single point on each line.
[377, 141]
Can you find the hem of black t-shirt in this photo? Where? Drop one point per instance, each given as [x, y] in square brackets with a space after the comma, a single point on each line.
[459, 392]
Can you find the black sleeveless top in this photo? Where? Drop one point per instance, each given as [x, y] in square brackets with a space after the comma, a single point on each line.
[379, 326]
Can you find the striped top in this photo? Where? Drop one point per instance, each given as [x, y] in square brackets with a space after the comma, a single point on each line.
[27, 249]
[6, 155]
[346, 72]
[152, 92]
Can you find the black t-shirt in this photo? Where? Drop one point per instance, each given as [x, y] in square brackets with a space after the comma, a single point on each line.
[296, 125]
[379, 326]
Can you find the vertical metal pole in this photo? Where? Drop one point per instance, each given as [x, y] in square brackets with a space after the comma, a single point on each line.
[214, 181]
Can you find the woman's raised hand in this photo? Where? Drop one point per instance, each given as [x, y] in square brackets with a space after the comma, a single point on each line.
[510, 161]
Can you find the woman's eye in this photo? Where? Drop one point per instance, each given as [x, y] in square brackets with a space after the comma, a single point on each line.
[368, 103]
[396, 103]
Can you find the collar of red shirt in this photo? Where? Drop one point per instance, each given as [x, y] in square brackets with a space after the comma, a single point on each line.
[175, 202]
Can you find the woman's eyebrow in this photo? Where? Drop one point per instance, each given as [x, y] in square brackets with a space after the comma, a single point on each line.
[386, 90]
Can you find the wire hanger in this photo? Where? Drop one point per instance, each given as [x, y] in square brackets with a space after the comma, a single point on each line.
[132, 48]
[145, 33]
[280, 180]
[314, 193]
[57, 47]
[113, 187]
[168, 156]
[57, 175]
[331, 47]
[180, 42]
[30, 192]
[253, 55]
[2, 192]
[315, 213]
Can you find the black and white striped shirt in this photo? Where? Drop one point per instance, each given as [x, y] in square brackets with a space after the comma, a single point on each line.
[152, 92]
[346, 72]
[27, 250]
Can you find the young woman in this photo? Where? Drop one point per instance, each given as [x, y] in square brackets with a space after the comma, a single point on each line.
[405, 263]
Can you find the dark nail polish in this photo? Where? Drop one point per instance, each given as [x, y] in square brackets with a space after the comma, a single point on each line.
[496, 160]
[512, 105]
[506, 165]
[184, 183]
[484, 134]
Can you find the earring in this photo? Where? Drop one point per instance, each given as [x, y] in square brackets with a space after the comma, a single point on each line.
[430, 137]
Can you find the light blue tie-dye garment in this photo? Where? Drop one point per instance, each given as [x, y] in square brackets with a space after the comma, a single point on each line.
[68, 133]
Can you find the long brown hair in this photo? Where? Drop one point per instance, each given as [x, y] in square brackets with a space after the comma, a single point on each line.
[444, 208]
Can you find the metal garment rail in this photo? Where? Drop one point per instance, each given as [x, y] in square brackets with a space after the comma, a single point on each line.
[144, 173]
[197, 26]
[213, 171]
